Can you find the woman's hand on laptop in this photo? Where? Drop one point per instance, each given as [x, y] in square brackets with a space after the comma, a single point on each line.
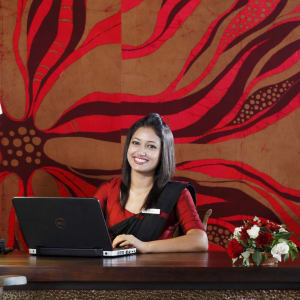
[128, 241]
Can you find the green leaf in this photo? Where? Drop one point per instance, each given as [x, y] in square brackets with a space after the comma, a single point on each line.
[246, 254]
[293, 254]
[243, 243]
[292, 246]
[234, 260]
[286, 257]
[265, 256]
[246, 262]
[283, 235]
[257, 257]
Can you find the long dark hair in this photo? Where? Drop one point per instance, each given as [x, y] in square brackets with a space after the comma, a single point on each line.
[166, 166]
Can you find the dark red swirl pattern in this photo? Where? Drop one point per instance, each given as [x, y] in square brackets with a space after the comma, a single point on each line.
[77, 74]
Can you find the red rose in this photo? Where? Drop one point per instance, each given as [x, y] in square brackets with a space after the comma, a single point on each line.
[272, 226]
[244, 236]
[234, 248]
[248, 224]
[264, 222]
[264, 239]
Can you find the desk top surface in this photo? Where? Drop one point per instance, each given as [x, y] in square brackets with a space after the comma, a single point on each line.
[163, 267]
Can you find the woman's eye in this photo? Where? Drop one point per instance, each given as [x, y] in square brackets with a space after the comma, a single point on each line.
[135, 142]
[152, 146]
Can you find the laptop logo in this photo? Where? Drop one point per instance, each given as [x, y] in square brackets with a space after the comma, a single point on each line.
[60, 223]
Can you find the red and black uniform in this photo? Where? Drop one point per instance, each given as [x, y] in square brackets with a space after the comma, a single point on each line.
[176, 207]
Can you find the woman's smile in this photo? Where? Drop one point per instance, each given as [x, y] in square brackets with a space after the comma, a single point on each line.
[140, 161]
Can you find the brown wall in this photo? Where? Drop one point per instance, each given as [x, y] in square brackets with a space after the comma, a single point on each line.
[224, 74]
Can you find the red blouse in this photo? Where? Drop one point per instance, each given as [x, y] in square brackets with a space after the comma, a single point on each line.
[108, 196]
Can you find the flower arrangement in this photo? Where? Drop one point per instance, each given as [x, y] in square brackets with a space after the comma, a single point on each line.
[257, 238]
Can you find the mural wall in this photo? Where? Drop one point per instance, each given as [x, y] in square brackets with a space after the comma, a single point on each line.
[224, 74]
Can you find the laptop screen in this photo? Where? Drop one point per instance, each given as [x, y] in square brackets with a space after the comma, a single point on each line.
[58, 222]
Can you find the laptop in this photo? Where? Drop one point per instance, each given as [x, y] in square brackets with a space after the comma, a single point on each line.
[60, 226]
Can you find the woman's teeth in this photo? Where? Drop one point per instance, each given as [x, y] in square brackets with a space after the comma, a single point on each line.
[141, 160]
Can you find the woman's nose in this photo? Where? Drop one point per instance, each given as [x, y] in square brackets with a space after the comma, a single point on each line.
[142, 153]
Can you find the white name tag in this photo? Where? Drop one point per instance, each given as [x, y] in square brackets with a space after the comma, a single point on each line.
[153, 211]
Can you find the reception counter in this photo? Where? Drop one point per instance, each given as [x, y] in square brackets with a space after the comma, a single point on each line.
[171, 271]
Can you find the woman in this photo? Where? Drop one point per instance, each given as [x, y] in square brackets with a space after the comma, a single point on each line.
[144, 207]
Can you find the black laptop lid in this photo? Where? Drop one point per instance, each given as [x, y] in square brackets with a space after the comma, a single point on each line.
[58, 222]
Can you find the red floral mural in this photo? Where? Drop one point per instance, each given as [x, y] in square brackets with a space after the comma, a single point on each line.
[76, 74]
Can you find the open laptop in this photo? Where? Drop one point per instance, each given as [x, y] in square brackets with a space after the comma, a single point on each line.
[60, 226]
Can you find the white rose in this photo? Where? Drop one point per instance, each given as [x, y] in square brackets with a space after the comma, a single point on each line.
[237, 231]
[279, 249]
[253, 231]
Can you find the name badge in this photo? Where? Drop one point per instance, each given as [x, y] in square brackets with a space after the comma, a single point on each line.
[153, 211]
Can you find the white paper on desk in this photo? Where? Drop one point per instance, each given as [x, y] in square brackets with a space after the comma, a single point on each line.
[153, 211]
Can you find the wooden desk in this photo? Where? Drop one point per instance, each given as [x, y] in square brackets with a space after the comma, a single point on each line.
[212, 270]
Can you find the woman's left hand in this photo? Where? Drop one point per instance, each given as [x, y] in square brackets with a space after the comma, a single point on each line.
[129, 240]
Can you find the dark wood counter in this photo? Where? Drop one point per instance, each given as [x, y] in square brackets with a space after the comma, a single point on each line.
[212, 270]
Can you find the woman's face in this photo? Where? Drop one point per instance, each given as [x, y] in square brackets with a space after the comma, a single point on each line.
[144, 151]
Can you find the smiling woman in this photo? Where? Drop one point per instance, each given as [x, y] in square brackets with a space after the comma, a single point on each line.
[144, 207]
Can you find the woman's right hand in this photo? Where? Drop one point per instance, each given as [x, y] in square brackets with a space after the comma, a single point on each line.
[129, 240]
